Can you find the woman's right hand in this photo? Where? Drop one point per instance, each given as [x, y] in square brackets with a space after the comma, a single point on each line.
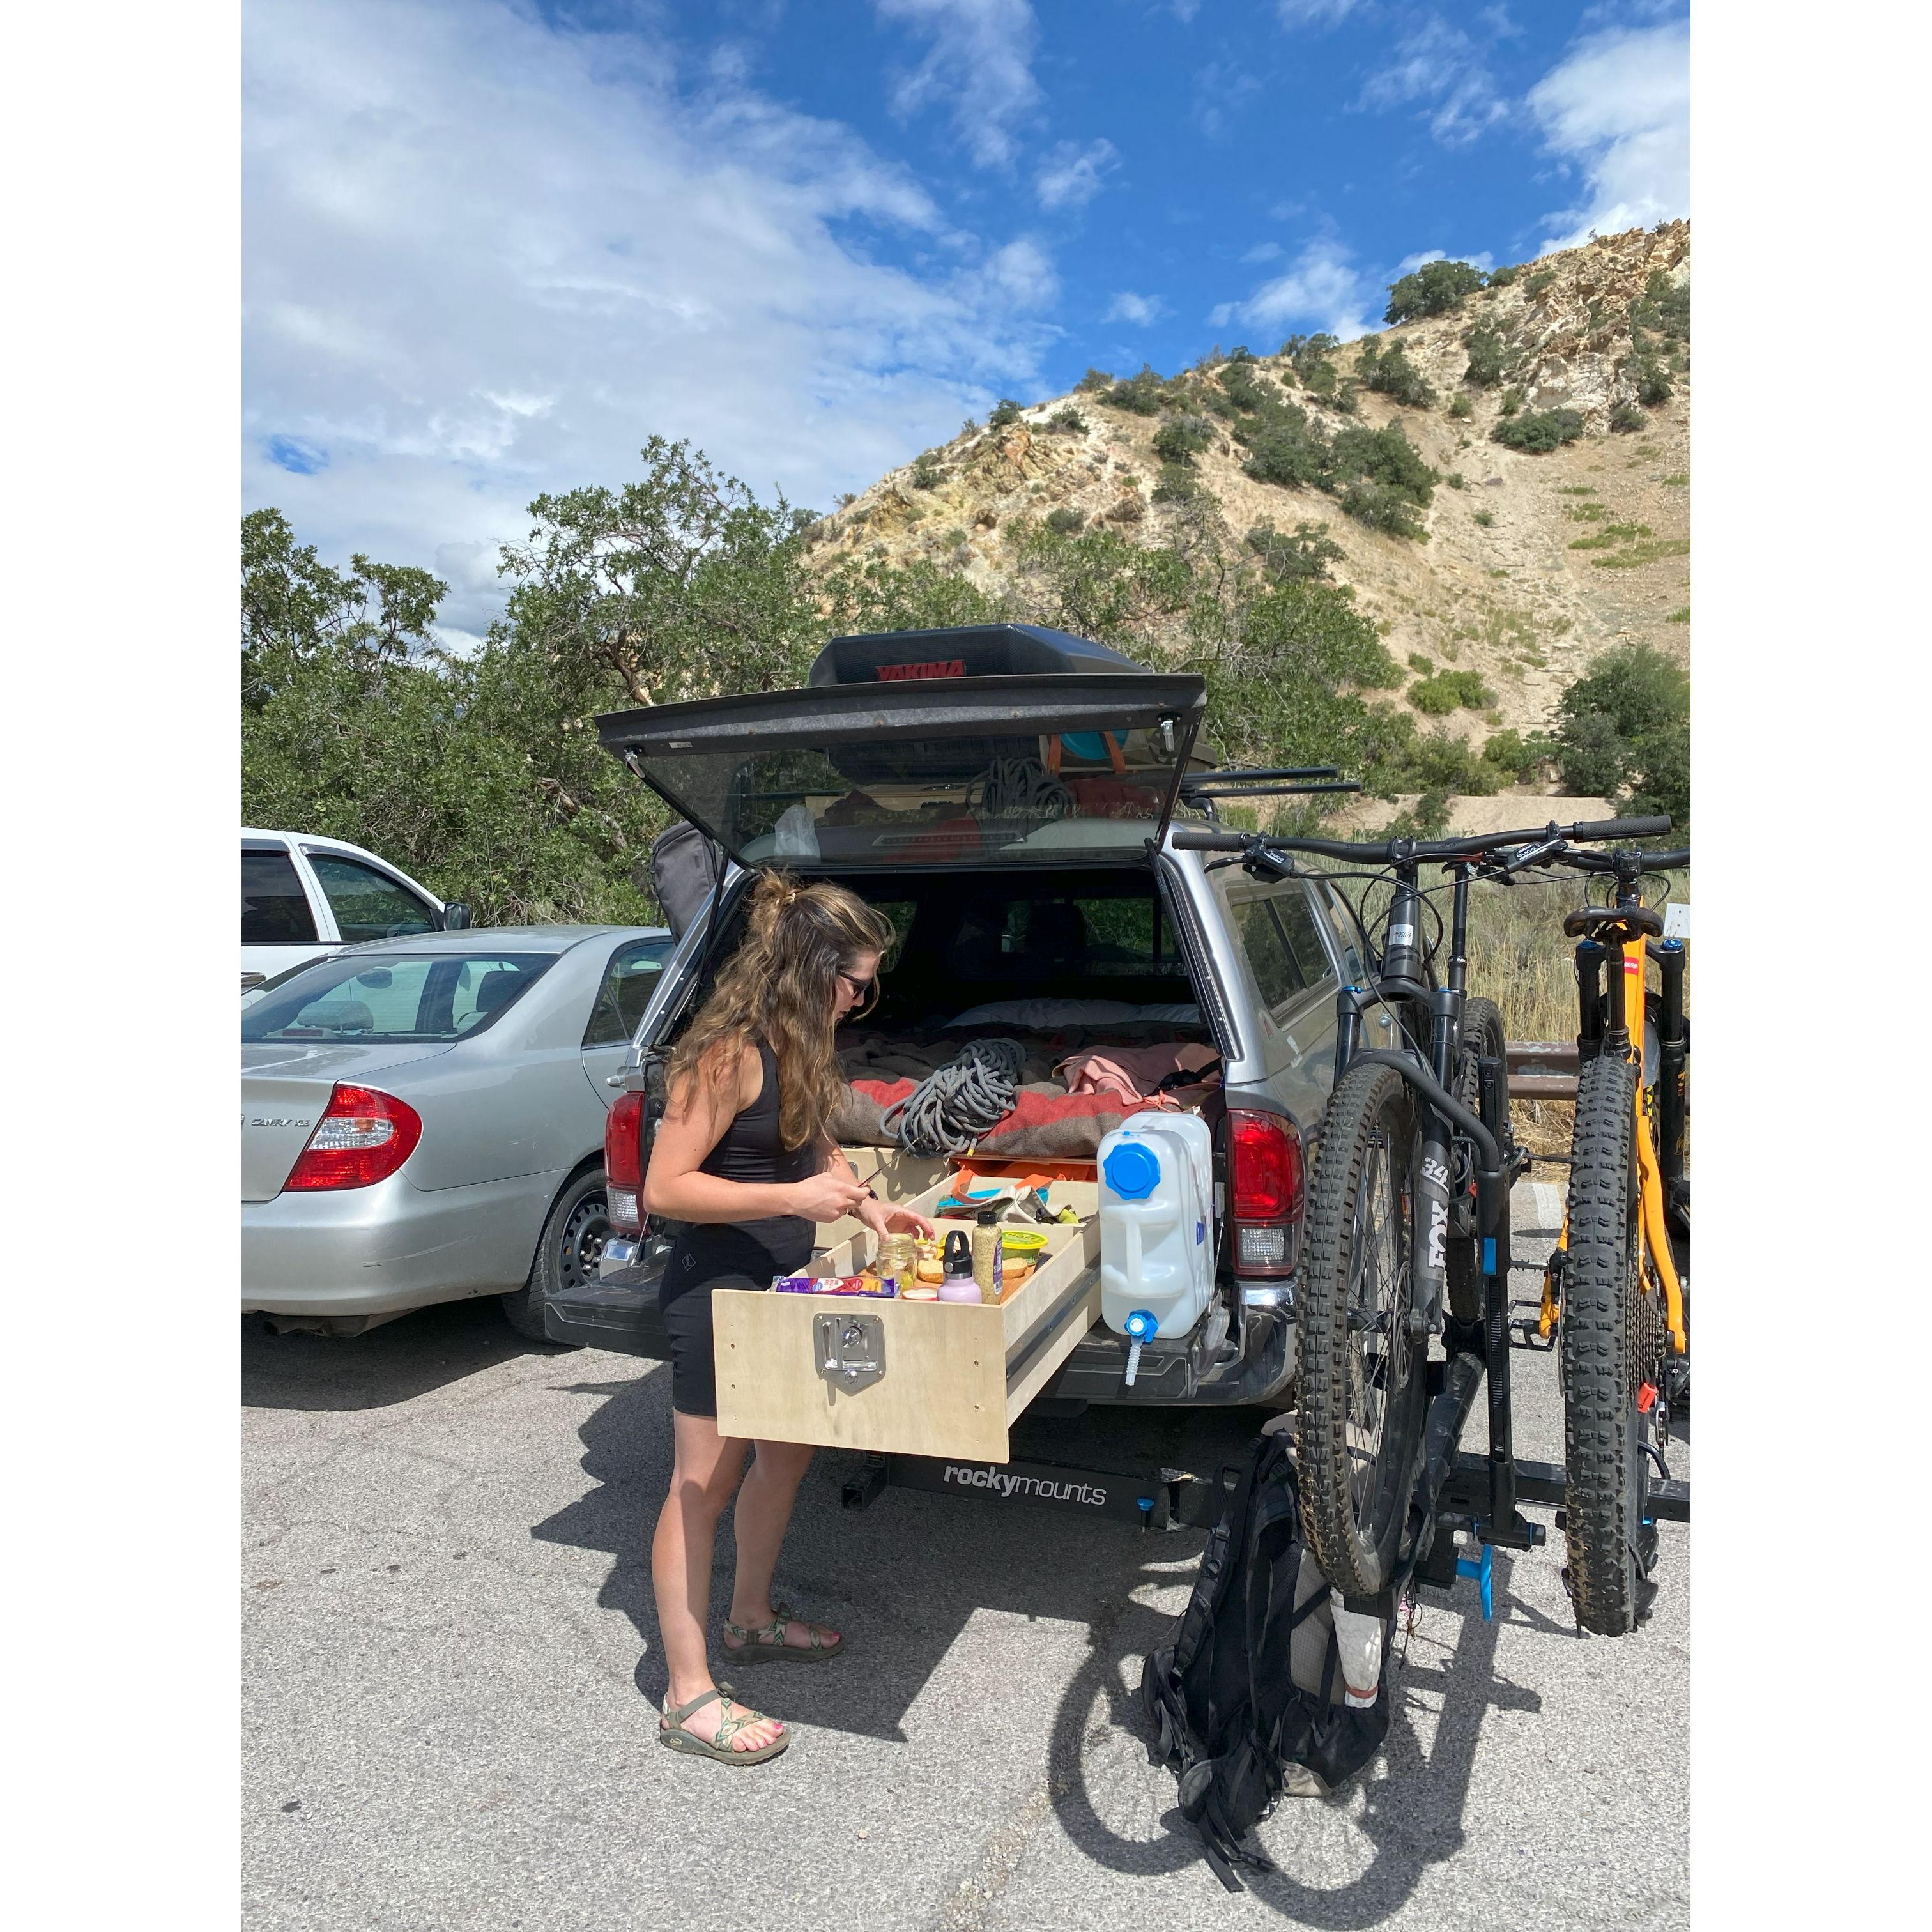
[826, 1196]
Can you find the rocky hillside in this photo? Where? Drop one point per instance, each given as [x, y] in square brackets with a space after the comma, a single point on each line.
[1527, 565]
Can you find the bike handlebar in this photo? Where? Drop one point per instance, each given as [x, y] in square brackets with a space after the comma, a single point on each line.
[1396, 850]
[1609, 861]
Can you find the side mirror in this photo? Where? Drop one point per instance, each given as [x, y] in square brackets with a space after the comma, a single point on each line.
[456, 917]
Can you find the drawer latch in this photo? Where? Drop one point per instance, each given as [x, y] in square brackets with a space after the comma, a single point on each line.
[851, 1349]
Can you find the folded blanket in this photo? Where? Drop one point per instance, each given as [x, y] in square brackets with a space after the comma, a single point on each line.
[1132, 1072]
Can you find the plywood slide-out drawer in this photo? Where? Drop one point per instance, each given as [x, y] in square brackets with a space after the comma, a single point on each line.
[955, 1376]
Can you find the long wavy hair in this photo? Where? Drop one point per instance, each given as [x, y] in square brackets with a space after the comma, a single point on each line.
[781, 986]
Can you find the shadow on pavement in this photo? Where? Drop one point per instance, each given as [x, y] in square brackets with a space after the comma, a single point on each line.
[410, 1356]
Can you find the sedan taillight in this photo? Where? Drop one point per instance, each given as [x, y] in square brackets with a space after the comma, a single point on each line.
[1264, 1192]
[362, 1138]
[623, 1164]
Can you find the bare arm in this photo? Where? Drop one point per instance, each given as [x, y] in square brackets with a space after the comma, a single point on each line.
[694, 1123]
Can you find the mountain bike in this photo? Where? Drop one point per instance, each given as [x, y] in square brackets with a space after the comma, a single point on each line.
[1407, 1229]
[1617, 1289]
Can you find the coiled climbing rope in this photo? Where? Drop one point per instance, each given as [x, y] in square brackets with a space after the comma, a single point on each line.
[949, 1109]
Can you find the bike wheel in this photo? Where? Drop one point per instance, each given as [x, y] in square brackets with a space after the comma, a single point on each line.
[1482, 1039]
[1611, 1337]
[1362, 1374]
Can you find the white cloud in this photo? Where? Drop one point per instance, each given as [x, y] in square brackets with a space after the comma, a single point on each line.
[1143, 311]
[1322, 289]
[1072, 176]
[980, 61]
[1265, 251]
[1408, 262]
[1314, 12]
[1618, 107]
[1439, 64]
[483, 259]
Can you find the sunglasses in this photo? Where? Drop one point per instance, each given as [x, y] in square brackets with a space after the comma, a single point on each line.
[860, 988]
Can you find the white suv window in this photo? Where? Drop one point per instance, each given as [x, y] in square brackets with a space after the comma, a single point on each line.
[368, 904]
[1278, 937]
[275, 909]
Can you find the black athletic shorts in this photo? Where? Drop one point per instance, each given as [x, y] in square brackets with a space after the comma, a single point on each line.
[744, 1254]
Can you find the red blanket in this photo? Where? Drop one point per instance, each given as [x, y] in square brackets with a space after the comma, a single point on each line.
[1044, 1124]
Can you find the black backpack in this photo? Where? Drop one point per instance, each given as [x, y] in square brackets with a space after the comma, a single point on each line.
[1248, 1698]
[683, 867]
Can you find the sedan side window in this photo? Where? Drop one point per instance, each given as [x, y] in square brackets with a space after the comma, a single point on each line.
[626, 992]
[368, 904]
[275, 908]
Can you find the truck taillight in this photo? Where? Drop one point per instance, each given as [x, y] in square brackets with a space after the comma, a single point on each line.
[1264, 1192]
[362, 1138]
[623, 1164]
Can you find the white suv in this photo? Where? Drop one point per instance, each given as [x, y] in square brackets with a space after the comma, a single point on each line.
[303, 898]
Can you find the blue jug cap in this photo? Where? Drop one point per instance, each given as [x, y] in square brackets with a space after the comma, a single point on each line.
[1132, 1170]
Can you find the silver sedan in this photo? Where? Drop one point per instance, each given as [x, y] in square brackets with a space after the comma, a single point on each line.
[422, 1120]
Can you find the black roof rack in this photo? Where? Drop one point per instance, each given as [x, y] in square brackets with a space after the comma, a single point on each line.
[964, 650]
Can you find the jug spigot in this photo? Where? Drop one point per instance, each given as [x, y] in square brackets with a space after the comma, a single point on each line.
[1141, 1325]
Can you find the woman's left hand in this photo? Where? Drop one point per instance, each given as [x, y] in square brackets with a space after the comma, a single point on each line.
[885, 1219]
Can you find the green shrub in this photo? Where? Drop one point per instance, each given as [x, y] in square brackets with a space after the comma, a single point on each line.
[1424, 667]
[1391, 372]
[1065, 520]
[1284, 447]
[1094, 381]
[1611, 534]
[1456, 480]
[1544, 278]
[1175, 484]
[1459, 406]
[1681, 616]
[1577, 489]
[1140, 395]
[1309, 356]
[1244, 389]
[1539, 431]
[1626, 417]
[1485, 518]
[1386, 457]
[1448, 691]
[1306, 554]
[926, 474]
[1383, 508]
[1180, 441]
[1663, 309]
[1624, 732]
[1486, 357]
[1434, 289]
[1511, 755]
[1008, 411]
[1068, 420]
[1512, 400]
[1652, 380]
[1500, 278]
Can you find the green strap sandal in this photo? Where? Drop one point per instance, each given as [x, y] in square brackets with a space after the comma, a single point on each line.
[766, 1643]
[672, 1735]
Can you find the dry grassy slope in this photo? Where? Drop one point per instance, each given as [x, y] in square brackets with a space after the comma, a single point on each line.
[1511, 599]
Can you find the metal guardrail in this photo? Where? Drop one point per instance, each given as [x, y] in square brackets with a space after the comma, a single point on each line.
[1541, 1069]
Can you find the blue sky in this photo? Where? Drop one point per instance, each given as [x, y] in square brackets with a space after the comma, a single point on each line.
[491, 245]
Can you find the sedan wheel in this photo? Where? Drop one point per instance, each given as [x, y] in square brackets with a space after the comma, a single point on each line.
[574, 1235]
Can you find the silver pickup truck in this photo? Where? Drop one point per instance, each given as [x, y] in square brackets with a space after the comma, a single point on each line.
[1006, 794]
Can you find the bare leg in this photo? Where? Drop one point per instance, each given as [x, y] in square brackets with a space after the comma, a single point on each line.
[759, 1523]
[704, 1472]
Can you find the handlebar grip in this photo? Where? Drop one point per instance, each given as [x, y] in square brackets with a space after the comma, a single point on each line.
[1210, 841]
[1621, 828]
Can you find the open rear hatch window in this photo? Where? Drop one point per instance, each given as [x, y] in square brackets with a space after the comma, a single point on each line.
[1050, 768]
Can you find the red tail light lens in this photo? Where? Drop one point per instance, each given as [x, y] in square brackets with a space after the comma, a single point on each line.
[1264, 1191]
[623, 1164]
[362, 1138]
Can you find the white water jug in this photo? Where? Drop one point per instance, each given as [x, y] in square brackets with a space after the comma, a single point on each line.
[1156, 1225]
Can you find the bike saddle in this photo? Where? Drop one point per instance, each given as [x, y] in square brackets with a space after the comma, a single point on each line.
[1612, 923]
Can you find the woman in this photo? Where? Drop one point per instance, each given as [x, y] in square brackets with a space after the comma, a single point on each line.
[743, 1156]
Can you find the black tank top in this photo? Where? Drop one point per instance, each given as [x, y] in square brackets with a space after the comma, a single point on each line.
[751, 1148]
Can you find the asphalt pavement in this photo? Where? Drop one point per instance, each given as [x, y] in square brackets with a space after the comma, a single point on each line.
[452, 1671]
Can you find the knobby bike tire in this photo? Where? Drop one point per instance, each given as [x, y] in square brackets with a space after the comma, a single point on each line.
[1369, 1147]
[1482, 1039]
[1610, 1338]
